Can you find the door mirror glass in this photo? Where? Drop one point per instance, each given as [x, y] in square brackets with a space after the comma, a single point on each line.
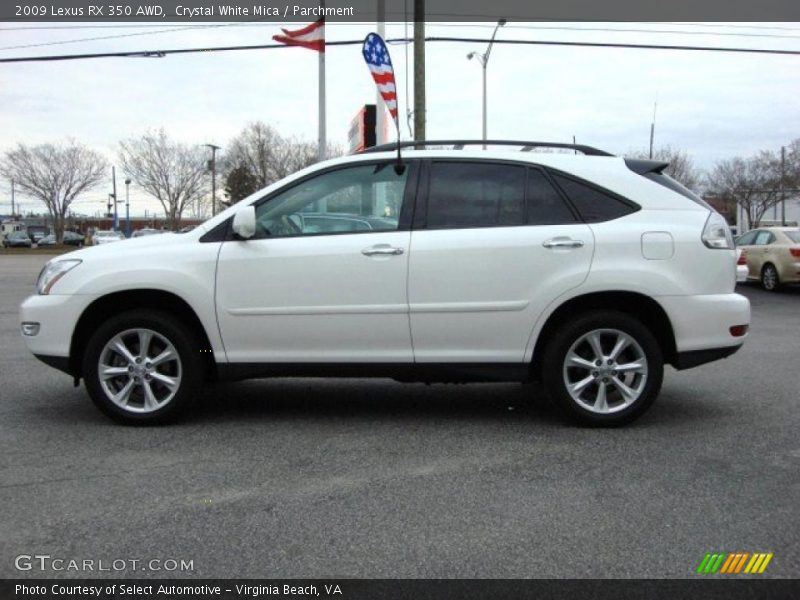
[244, 222]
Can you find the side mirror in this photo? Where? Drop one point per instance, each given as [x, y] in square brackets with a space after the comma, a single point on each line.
[244, 222]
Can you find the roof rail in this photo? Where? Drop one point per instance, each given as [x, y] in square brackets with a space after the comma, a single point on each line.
[459, 144]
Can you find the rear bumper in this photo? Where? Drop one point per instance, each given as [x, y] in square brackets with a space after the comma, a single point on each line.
[703, 323]
[695, 358]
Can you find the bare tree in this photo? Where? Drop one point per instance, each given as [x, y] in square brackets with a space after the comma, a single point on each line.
[267, 155]
[753, 183]
[54, 174]
[172, 172]
[681, 166]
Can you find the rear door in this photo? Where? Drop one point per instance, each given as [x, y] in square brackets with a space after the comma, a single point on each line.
[493, 244]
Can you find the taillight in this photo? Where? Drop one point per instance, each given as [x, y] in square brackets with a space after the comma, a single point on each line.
[742, 258]
[739, 330]
[795, 252]
[716, 233]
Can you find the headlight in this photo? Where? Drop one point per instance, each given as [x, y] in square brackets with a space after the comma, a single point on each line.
[52, 272]
[716, 233]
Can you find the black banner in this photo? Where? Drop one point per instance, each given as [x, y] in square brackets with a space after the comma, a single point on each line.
[403, 589]
[186, 11]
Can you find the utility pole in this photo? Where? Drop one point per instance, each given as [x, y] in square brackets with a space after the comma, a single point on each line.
[653, 127]
[212, 166]
[381, 130]
[114, 186]
[419, 70]
[127, 208]
[12, 198]
[783, 187]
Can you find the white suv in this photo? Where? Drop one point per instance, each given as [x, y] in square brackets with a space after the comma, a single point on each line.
[587, 273]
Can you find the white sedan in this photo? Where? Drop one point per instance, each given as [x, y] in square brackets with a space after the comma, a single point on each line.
[106, 237]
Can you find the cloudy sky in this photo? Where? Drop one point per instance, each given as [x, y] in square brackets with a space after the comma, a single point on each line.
[713, 105]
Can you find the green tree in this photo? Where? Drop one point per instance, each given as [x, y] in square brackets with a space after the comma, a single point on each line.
[239, 183]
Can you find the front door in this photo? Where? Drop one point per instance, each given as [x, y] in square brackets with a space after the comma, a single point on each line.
[324, 278]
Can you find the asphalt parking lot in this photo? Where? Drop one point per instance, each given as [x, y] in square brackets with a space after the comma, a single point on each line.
[320, 478]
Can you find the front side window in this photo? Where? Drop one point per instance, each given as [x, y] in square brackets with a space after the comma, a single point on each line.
[358, 199]
[472, 194]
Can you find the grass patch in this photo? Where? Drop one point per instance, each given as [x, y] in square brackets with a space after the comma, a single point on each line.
[48, 250]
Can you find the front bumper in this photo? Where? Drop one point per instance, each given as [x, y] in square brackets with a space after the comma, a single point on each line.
[702, 323]
[57, 316]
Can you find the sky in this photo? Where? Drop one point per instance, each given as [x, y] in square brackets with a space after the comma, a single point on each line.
[712, 105]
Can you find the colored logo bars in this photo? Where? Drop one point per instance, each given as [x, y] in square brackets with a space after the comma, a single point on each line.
[734, 563]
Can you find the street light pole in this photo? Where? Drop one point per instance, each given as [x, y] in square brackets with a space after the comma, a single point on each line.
[212, 165]
[127, 208]
[483, 59]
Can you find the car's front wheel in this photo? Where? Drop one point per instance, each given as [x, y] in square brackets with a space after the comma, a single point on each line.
[142, 367]
[604, 368]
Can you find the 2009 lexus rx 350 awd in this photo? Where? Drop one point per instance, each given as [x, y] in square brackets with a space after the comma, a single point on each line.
[589, 273]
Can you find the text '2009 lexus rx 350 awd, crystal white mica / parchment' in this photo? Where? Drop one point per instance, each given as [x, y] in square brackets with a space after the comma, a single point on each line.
[586, 272]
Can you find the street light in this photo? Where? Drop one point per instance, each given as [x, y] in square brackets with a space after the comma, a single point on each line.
[127, 208]
[212, 166]
[483, 59]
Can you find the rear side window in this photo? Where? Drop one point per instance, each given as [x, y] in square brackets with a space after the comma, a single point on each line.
[545, 204]
[471, 194]
[593, 204]
[763, 238]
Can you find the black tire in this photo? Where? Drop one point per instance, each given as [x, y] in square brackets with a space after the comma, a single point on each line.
[190, 366]
[561, 343]
[770, 280]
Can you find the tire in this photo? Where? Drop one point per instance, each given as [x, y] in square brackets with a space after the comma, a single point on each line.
[173, 383]
[770, 280]
[600, 401]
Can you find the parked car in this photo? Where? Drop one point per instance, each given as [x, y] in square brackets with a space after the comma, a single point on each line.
[772, 255]
[37, 232]
[70, 239]
[588, 273]
[106, 237]
[147, 231]
[741, 266]
[17, 239]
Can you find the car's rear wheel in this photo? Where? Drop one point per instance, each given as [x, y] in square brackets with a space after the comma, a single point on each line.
[142, 367]
[604, 368]
[770, 280]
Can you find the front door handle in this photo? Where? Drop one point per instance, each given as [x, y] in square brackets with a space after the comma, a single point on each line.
[562, 242]
[382, 250]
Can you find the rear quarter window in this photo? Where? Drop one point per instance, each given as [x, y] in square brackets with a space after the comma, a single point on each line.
[593, 204]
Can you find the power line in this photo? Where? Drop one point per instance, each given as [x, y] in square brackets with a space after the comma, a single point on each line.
[466, 40]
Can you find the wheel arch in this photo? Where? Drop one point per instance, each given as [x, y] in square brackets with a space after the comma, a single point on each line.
[114, 303]
[640, 306]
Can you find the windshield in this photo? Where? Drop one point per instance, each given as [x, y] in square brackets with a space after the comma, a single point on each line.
[793, 235]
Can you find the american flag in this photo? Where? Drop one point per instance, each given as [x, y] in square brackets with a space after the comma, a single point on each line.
[380, 65]
[311, 36]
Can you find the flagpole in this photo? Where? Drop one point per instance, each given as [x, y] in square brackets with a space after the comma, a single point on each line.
[322, 135]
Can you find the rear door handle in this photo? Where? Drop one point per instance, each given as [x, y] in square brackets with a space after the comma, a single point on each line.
[382, 250]
[562, 243]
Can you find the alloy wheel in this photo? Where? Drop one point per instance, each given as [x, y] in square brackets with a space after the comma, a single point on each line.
[139, 370]
[605, 371]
